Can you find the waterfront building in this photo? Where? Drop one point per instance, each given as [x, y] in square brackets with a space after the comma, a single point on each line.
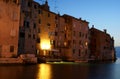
[101, 45]
[9, 27]
[76, 32]
[48, 33]
[29, 27]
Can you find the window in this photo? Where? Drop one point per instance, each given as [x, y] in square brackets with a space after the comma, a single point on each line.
[38, 30]
[39, 11]
[22, 35]
[48, 24]
[56, 17]
[80, 42]
[26, 24]
[56, 33]
[29, 35]
[35, 6]
[79, 34]
[65, 28]
[34, 26]
[6, 1]
[73, 51]
[56, 25]
[11, 48]
[65, 36]
[38, 40]
[33, 36]
[39, 21]
[48, 14]
[73, 33]
[29, 4]
[74, 42]
[65, 43]
[14, 1]
[52, 42]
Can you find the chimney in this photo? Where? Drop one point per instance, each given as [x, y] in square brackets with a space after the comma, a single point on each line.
[92, 26]
[105, 30]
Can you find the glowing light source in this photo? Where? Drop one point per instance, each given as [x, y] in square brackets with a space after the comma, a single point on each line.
[86, 43]
[45, 44]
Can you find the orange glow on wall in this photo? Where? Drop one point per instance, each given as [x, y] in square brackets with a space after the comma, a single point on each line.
[45, 44]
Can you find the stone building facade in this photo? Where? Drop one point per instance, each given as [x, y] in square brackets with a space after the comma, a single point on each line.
[9, 27]
[101, 45]
[76, 38]
[31, 28]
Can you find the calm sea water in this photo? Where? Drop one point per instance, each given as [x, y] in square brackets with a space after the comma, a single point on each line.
[62, 71]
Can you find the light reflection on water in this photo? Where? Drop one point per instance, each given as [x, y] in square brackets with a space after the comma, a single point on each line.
[62, 70]
[44, 71]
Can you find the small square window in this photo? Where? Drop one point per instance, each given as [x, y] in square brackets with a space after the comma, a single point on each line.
[34, 26]
[11, 48]
[48, 14]
[33, 36]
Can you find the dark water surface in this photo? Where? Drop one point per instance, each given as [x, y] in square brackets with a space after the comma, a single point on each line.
[62, 71]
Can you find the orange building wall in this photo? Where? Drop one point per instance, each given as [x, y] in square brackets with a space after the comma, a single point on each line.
[9, 28]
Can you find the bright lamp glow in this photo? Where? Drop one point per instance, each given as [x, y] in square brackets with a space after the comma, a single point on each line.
[45, 44]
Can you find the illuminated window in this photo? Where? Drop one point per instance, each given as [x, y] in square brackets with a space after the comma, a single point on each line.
[65, 28]
[86, 43]
[65, 43]
[52, 42]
